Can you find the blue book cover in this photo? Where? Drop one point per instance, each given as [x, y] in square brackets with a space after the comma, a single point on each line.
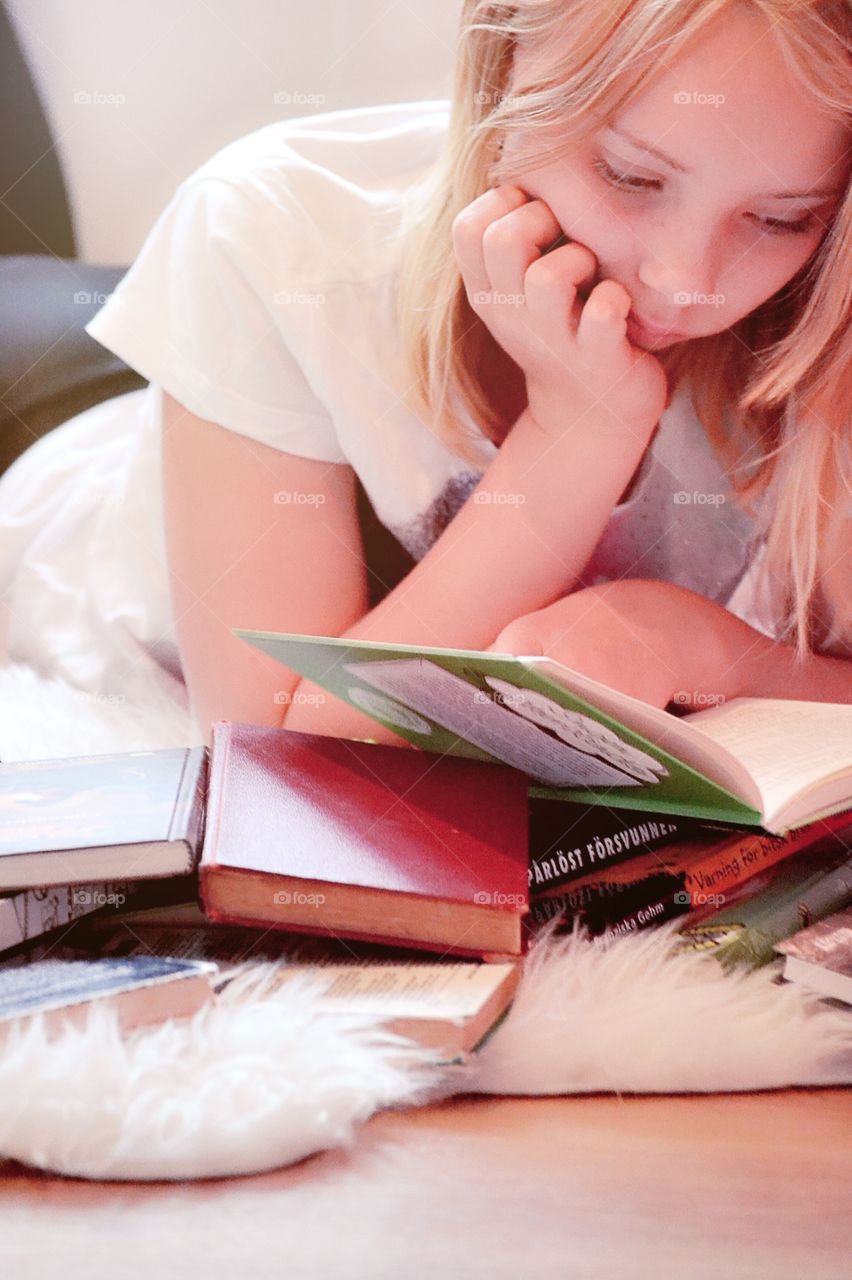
[48, 985]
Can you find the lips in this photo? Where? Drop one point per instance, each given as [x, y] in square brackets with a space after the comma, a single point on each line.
[645, 331]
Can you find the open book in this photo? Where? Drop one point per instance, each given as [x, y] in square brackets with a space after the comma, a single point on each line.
[773, 763]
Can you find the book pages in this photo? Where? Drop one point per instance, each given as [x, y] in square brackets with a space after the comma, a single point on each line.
[788, 747]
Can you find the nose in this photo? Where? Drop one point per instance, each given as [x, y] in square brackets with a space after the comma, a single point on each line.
[680, 269]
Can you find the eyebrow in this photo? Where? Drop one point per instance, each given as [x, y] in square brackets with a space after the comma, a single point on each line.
[821, 193]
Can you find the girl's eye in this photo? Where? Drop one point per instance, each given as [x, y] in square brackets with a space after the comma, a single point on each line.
[778, 226]
[630, 182]
[625, 181]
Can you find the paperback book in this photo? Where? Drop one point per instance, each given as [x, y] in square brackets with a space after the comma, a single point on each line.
[47, 912]
[143, 989]
[694, 877]
[32, 913]
[134, 815]
[446, 1005]
[760, 762]
[773, 906]
[820, 957]
[569, 841]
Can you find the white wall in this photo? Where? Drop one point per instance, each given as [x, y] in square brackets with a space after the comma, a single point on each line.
[168, 82]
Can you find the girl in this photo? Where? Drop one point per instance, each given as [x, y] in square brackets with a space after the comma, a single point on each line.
[585, 341]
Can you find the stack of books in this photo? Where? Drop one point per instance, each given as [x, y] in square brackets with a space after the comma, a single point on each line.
[145, 879]
[409, 883]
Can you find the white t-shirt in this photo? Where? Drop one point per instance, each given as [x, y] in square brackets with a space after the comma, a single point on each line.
[263, 300]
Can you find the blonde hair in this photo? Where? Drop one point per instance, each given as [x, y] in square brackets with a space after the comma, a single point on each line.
[773, 393]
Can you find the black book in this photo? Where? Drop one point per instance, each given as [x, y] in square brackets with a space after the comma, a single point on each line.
[570, 840]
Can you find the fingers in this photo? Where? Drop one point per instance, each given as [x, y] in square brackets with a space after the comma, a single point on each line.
[552, 283]
[512, 243]
[498, 236]
[567, 323]
[468, 230]
[602, 328]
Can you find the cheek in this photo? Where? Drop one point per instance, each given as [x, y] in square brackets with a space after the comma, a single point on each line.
[588, 217]
[571, 197]
[611, 236]
[753, 277]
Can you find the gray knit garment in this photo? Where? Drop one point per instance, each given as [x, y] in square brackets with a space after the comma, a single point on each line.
[680, 523]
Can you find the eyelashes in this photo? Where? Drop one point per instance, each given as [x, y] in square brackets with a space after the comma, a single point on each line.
[623, 180]
[633, 184]
[777, 224]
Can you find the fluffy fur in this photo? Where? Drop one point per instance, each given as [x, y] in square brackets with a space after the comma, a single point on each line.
[266, 1078]
[243, 1086]
[631, 1016]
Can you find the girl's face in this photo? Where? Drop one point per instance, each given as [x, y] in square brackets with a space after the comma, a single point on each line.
[708, 192]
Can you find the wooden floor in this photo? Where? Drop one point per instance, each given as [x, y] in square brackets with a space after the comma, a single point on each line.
[749, 1185]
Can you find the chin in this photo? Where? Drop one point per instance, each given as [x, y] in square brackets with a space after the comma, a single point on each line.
[662, 344]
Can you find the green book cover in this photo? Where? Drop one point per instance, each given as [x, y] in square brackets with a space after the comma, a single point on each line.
[503, 709]
[775, 905]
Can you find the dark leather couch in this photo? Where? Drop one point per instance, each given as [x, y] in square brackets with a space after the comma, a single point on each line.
[50, 368]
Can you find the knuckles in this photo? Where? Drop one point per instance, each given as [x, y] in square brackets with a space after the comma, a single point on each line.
[580, 256]
[462, 225]
[496, 200]
[498, 235]
[611, 299]
[547, 272]
[571, 264]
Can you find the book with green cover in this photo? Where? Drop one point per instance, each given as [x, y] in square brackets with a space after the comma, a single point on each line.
[773, 763]
[775, 905]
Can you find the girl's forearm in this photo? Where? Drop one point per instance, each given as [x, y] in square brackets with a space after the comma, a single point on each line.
[729, 658]
[770, 670]
[518, 543]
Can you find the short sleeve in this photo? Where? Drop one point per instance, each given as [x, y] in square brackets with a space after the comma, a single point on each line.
[202, 314]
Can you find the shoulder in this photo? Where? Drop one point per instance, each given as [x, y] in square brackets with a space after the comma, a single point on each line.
[328, 190]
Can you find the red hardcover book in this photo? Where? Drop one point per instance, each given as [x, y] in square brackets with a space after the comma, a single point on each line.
[363, 840]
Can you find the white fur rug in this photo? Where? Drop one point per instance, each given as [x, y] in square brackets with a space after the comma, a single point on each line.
[265, 1078]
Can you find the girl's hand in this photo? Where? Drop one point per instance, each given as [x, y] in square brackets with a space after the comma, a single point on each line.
[658, 642]
[575, 355]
